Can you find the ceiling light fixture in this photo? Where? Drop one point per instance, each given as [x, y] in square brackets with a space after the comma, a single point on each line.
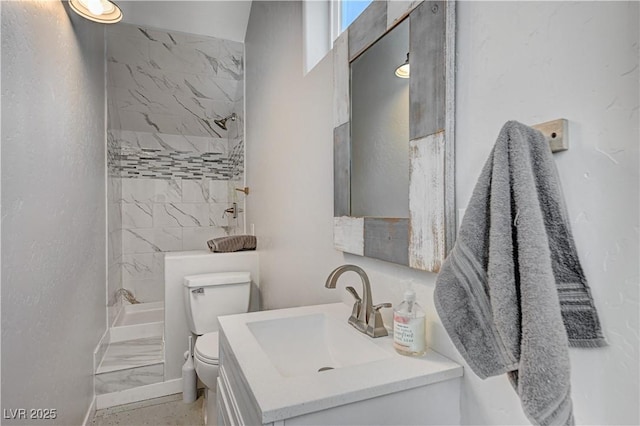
[102, 11]
[403, 70]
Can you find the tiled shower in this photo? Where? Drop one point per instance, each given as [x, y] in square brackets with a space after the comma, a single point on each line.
[172, 171]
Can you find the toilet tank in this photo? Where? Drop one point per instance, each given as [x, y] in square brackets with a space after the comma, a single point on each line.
[208, 296]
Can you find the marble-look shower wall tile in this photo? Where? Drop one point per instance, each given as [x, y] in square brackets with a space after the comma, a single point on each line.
[153, 240]
[219, 145]
[217, 215]
[196, 191]
[196, 238]
[142, 266]
[128, 140]
[177, 168]
[201, 57]
[157, 103]
[139, 190]
[185, 143]
[198, 124]
[156, 77]
[221, 109]
[151, 190]
[186, 215]
[239, 130]
[231, 62]
[232, 194]
[127, 50]
[137, 215]
[205, 191]
[219, 191]
[147, 290]
[132, 77]
[185, 84]
[208, 87]
[154, 102]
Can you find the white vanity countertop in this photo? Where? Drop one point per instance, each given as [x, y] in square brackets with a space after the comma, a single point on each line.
[281, 397]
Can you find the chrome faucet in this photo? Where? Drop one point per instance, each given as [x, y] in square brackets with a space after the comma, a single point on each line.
[365, 317]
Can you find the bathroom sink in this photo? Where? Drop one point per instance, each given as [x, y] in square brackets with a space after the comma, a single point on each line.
[291, 362]
[312, 344]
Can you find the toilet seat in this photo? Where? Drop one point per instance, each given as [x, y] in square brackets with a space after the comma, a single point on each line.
[207, 348]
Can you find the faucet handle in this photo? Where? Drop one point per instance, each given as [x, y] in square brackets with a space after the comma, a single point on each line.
[355, 312]
[382, 305]
[375, 327]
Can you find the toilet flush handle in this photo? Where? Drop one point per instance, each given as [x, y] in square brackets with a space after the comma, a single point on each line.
[198, 290]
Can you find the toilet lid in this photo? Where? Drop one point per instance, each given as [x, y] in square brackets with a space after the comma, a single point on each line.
[207, 347]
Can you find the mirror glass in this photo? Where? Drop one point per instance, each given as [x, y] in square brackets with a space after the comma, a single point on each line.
[380, 128]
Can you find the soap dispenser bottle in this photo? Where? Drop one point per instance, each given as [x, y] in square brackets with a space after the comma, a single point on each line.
[409, 326]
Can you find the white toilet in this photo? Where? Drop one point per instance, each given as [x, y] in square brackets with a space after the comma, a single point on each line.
[206, 297]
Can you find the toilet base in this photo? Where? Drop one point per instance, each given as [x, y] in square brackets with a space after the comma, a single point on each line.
[209, 407]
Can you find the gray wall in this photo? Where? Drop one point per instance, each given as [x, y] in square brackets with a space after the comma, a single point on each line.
[53, 208]
[528, 61]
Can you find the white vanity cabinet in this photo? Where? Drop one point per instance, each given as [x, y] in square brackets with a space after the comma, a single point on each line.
[391, 389]
[435, 404]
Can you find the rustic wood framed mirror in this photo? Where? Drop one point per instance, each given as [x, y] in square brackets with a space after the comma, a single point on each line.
[423, 239]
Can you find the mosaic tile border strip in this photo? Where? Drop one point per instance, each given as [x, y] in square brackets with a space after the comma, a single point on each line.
[145, 163]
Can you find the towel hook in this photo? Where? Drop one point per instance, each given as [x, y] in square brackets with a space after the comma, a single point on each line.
[556, 132]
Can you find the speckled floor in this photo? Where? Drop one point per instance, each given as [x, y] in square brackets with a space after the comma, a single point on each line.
[165, 411]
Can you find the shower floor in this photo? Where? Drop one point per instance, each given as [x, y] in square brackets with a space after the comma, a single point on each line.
[138, 321]
[142, 313]
[135, 353]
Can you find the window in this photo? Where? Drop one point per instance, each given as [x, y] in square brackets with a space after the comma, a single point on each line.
[316, 24]
[323, 22]
[350, 10]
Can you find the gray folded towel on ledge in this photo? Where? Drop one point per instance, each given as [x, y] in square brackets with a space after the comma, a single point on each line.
[512, 294]
[232, 243]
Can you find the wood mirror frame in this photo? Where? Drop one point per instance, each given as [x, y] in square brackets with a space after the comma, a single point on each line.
[423, 240]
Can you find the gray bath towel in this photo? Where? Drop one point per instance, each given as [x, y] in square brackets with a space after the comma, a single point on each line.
[232, 243]
[512, 294]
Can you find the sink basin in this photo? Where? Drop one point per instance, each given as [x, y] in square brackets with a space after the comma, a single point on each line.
[315, 343]
[272, 359]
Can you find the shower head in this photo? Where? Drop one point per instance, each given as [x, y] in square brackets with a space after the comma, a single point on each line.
[222, 122]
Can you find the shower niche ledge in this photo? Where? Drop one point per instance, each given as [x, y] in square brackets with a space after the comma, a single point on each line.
[308, 366]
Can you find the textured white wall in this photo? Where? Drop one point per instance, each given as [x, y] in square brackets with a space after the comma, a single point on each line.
[529, 61]
[289, 165]
[53, 208]
[535, 62]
